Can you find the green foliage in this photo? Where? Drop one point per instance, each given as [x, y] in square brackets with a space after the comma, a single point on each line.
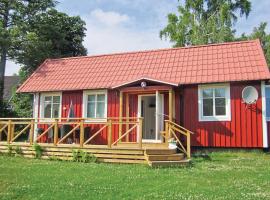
[15, 16]
[35, 31]
[10, 150]
[260, 33]
[18, 151]
[82, 156]
[51, 34]
[38, 150]
[204, 21]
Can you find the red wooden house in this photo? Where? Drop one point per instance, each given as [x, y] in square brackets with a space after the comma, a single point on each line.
[199, 88]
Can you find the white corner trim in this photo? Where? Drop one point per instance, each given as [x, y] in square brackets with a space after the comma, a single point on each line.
[264, 122]
[84, 105]
[35, 113]
[227, 117]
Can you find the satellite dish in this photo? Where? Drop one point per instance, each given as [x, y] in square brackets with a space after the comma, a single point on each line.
[250, 95]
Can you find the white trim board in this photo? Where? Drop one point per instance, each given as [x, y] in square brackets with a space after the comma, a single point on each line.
[264, 120]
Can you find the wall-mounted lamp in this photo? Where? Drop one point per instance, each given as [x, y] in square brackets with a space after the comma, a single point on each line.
[143, 84]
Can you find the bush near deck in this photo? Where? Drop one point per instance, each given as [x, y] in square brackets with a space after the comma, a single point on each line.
[226, 175]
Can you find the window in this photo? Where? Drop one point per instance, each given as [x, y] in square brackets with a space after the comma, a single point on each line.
[214, 103]
[267, 101]
[95, 104]
[51, 105]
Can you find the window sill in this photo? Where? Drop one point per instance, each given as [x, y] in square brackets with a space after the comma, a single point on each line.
[214, 119]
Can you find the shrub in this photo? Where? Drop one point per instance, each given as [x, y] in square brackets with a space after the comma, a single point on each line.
[18, 151]
[82, 156]
[38, 150]
[10, 150]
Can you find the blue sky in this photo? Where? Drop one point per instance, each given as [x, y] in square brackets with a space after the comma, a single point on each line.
[128, 25]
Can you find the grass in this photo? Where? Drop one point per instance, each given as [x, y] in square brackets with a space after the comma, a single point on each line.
[224, 175]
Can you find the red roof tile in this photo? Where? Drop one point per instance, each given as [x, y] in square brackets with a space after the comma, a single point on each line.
[235, 61]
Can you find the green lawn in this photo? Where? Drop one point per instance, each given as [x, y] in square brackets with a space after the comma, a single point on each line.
[227, 175]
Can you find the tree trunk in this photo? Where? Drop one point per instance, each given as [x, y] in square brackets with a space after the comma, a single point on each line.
[3, 59]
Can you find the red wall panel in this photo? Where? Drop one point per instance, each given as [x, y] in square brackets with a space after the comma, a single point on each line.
[244, 129]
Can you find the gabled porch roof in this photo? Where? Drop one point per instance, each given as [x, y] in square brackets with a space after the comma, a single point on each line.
[146, 79]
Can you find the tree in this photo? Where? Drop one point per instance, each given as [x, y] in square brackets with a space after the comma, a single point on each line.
[204, 21]
[260, 33]
[15, 14]
[48, 35]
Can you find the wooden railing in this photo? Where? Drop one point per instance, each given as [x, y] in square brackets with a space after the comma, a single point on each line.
[171, 130]
[14, 128]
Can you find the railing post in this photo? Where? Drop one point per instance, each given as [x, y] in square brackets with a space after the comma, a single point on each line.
[120, 114]
[81, 133]
[9, 131]
[188, 145]
[166, 131]
[55, 136]
[140, 132]
[31, 134]
[110, 133]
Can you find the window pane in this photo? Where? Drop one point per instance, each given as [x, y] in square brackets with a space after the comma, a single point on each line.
[207, 93]
[48, 98]
[92, 98]
[220, 92]
[55, 111]
[100, 97]
[56, 99]
[267, 107]
[267, 92]
[208, 107]
[220, 102]
[220, 111]
[91, 109]
[220, 106]
[100, 109]
[47, 110]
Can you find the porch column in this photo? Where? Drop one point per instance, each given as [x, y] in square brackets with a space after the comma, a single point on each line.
[170, 104]
[127, 114]
[120, 113]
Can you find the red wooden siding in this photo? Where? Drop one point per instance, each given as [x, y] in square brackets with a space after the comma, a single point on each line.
[244, 129]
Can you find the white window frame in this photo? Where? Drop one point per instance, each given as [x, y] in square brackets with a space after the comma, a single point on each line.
[226, 117]
[42, 99]
[267, 118]
[85, 99]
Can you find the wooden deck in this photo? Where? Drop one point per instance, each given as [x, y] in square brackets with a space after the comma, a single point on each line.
[119, 150]
[152, 156]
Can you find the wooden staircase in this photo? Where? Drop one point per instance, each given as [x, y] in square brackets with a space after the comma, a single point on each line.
[165, 157]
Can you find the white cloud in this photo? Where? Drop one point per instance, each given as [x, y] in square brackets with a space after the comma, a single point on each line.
[118, 37]
[109, 18]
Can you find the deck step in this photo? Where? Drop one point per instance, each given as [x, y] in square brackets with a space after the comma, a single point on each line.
[124, 161]
[169, 163]
[160, 151]
[166, 157]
